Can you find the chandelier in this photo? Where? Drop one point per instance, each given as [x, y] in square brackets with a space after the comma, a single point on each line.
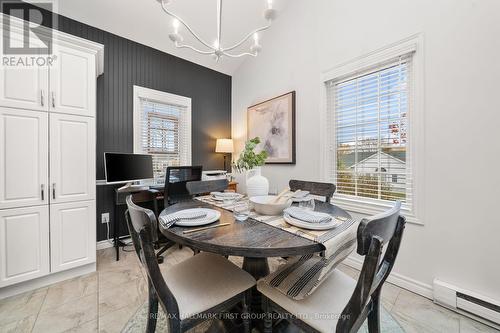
[217, 49]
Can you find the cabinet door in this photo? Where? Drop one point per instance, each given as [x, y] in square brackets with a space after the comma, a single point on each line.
[24, 87]
[72, 234]
[73, 82]
[72, 158]
[24, 158]
[24, 244]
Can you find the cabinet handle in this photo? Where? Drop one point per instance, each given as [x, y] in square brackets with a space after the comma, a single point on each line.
[42, 97]
[54, 191]
[42, 188]
[53, 100]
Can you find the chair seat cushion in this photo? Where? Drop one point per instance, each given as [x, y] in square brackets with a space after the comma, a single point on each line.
[204, 281]
[322, 309]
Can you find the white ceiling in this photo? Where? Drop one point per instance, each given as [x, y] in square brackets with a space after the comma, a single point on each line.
[145, 22]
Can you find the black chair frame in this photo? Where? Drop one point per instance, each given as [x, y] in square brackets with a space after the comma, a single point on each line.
[322, 189]
[139, 221]
[365, 300]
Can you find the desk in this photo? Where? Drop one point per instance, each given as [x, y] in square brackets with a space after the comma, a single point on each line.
[140, 195]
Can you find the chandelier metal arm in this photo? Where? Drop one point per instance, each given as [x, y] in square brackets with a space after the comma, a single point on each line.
[240, 55]
[185, 46]
[250, 34]
[187, 27]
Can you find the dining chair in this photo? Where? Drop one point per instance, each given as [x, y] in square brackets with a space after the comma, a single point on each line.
[206, 186]
[341, 304]
[198, 289]
[322, 189]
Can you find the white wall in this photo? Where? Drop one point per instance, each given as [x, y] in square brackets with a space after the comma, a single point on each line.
[459, 242]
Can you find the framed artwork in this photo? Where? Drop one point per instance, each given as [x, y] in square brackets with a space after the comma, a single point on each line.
[273, 121]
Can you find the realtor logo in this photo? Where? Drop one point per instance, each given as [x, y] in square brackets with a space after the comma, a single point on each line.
[26, 40]
[35, 15]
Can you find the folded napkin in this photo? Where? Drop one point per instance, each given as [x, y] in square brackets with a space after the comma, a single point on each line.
[307, 215]
[168, 220]
[225, 194]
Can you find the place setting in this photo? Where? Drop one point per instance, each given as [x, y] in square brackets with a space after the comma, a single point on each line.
[192, 217]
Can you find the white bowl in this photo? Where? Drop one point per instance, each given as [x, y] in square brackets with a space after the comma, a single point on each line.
[262, 205]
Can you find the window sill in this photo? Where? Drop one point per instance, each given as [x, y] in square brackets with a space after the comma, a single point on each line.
[371, 207]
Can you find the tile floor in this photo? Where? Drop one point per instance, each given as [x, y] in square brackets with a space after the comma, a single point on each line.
[104, 301]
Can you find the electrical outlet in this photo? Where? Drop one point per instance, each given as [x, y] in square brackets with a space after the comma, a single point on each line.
[105, 218]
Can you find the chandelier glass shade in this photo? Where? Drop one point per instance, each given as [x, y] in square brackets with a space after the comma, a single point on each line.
[216, 49]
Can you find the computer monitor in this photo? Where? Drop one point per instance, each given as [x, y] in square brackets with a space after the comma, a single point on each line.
[127, 168]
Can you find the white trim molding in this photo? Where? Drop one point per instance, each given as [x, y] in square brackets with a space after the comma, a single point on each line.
[413, 44]
[397, 279]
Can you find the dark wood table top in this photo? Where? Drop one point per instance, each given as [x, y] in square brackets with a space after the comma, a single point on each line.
[250, 238]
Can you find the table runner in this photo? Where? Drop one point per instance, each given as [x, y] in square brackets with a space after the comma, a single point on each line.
[302, 275]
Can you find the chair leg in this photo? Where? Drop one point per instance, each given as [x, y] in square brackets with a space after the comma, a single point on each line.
[246, 313]
[268, 320]
[374, 315]
[152, 309]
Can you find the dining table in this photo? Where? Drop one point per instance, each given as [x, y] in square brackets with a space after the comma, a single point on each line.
[253, 240]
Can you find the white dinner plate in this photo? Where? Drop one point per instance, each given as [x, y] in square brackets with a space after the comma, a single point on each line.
[311, 226]
[212, 216]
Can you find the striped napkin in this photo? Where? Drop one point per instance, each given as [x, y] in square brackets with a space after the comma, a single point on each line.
[307, 216]
[168, 220]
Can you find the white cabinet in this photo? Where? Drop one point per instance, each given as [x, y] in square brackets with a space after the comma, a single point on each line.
[24, 158]
[72, 234]
[72, 158]
[72, 82]
[24, 244]
[24, 87]
[47, 158]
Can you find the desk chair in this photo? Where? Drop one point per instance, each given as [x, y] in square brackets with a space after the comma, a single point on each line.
[175, 190]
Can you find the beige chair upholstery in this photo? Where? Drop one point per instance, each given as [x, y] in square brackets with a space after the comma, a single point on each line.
[204, 281]
[320, 310]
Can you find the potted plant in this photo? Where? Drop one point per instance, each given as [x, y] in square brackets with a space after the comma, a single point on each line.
[251, 162]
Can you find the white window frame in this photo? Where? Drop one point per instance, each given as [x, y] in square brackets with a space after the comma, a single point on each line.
[165, 98]
[414, 211]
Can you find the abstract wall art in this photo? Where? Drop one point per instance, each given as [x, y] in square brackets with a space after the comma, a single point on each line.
[273, 121]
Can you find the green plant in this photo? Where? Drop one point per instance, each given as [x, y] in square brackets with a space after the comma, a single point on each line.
[248, 158]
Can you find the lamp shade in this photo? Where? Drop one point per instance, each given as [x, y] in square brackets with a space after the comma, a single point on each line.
[224, 146]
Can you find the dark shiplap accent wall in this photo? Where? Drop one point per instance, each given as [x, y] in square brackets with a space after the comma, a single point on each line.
[127, 63]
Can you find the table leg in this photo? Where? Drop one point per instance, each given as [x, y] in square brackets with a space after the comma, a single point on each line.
[258, 268]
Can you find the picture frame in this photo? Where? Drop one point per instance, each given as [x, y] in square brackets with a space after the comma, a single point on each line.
[273, 121]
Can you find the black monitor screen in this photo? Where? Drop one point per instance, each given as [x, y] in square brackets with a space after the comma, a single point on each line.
[121, 168]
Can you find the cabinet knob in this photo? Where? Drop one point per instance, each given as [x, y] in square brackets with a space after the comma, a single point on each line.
[42, 98]
[42, 189]
[54, 191]
[53, 100]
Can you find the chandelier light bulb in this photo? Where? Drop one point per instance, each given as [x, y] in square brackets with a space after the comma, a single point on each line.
[270, 4]
[256, 38]
[176, 24]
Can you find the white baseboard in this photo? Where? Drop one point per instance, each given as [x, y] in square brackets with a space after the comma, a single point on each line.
[44, 281]
[399, 280]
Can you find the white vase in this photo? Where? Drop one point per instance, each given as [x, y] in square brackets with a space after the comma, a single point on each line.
[256, 183]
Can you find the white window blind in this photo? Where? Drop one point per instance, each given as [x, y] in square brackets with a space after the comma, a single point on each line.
[164, 134]
[368, 115]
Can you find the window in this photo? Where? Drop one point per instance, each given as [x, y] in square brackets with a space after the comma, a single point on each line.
[162, 128]
[373, 129]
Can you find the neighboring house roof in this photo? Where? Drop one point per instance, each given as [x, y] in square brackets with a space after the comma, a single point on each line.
[349, 160]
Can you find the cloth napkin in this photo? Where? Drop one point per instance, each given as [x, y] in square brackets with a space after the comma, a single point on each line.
[307, 216]
[169, 220]
[225, 194]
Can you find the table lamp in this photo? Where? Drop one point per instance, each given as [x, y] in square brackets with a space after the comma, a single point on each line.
[224, 146]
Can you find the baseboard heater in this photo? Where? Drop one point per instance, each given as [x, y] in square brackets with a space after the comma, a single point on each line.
[467, 302]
